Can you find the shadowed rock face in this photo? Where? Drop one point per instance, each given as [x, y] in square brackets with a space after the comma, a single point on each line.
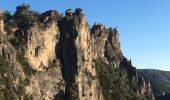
[68, 54]
[55, 58]
[107, 42]
[74, 50]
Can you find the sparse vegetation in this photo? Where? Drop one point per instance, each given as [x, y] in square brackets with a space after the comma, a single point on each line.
[9, 22]
[8, 92]
[24, 62]
[114, 85]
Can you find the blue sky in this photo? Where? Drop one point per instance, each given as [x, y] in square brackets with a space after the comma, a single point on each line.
[144, 25]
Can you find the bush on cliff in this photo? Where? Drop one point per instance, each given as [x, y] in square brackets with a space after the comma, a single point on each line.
[24, 17]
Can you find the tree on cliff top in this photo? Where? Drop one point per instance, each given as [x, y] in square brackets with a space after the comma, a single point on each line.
[24, 17]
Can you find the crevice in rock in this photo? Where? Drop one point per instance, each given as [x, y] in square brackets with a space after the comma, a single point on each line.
[67, 54]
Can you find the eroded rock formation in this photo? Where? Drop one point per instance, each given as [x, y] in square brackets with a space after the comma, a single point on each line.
[56, 57]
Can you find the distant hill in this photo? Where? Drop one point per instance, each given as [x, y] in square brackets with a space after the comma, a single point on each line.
[160, 81]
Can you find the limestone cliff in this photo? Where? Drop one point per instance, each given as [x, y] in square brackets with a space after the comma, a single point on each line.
[76, 56]
[107, 43]
[31, 70]
[40, 44]
[53, 57]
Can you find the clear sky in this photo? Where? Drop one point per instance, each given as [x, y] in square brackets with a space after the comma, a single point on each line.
[144, 25]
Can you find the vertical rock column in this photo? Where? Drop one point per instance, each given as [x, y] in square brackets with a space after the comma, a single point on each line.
[106, 40]
[86, 84]
[67, 53]
[74, 50]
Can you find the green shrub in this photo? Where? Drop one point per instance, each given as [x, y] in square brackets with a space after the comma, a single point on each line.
[24, 17]
[9, 22]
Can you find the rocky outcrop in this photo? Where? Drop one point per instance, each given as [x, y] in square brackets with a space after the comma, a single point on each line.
[144, 86]
[40, 40]
[10, 70]
[21, 74]
[40, 46]
[138, 83]
[76, 56]
[45, 85]
[60, 58]
[105, 43]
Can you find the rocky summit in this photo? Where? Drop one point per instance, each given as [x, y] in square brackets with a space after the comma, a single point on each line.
[50, 56]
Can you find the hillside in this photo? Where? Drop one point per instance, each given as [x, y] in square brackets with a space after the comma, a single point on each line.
[50, 56]
[160, 80]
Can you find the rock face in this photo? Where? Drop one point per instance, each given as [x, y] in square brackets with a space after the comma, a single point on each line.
[54, 57]
[76, 56]
[105, 43]
[40, 49]
[45, 85]
[10, 69]
[26, 79]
